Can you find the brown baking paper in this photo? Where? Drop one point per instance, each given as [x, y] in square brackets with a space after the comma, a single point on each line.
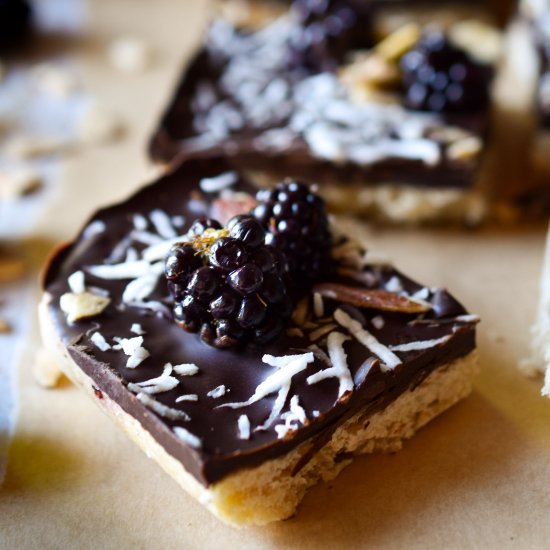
[476, 477]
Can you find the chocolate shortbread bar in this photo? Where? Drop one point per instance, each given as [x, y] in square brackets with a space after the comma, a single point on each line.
[256, 350]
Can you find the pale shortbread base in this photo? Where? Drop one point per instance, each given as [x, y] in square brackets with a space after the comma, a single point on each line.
[399, 203]
[269, 492]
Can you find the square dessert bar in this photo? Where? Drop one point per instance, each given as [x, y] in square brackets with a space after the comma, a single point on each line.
[389, 113]
[363, 358]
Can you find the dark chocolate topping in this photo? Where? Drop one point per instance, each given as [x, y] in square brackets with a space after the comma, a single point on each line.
[222, 451]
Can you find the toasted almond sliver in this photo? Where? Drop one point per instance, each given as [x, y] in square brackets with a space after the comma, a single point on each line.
[399, 42]
[465, 149]
[83, 305]
[371, 299]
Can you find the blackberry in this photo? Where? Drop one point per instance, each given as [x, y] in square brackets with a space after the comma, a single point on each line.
[297, 224]
[325, 32]
[439, 77]
[227, 283]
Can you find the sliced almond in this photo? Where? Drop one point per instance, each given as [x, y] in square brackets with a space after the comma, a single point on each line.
[482, 41]
[399, 41]
[371, 299]
[45, 370]
[465, 149]
[371, 69]
[82, 306]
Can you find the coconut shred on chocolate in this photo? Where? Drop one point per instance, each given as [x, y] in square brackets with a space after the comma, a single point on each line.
[250, 383]
[332, 93]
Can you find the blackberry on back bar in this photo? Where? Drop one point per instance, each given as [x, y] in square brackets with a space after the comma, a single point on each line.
[227, 283]
[325, 31]
[297, 225]
[439, 77]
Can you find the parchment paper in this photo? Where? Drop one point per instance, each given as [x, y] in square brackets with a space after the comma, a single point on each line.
[477, 477]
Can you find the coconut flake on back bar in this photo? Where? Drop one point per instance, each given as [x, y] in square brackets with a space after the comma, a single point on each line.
[188, 437]
[217, 183]
[388, 358]
[244, 427]
[420, 344]
[162, 410]
[99, 341]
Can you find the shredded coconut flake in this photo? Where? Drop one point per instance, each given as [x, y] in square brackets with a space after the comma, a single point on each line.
[339, 363]
[99, 341]
[388, 358]
[217, 392]
[76, 282]
[95, 228]
[162, 223]
[161, 384]
[378, 322]
[188, 437]
[421, 344]
[186, 369]
[126, 270]
[136, 328]
[162, 410]
[217, 183]
[187, 397]
[244, 427]
[297, 409]
[140, 222]
[140, 288]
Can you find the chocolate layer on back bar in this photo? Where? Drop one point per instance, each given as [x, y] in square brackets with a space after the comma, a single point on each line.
[247, 97]
[211, 444]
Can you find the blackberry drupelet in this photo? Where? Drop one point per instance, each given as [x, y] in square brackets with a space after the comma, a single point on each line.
[439, 77]
[326, 30]
[227, 283]
[297, 225]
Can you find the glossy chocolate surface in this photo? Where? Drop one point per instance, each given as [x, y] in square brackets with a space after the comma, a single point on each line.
[222, 451]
